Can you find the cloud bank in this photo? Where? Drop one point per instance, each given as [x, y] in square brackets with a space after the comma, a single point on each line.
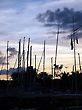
[12, 52]
[64, 17]
[18, 18]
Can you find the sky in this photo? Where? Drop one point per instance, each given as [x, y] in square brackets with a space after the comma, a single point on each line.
[18, 19]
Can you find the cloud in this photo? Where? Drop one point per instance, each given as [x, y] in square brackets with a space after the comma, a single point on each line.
[18, 18]
[63, 17]
[2, 59]
[18, 21]
[12, 51]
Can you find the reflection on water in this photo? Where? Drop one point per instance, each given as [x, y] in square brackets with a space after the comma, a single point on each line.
[23, 109]
[61, 108]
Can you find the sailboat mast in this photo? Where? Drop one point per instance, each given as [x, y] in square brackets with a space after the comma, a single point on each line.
[35, 62]
[56, 49]
[23, 62]
[7, 59]
[44, 58]
[74, 47]
[40, 61]
[19, 56]
[79, 62]
[28, 51]
[30, 55]
[52, 66]
[57, 46]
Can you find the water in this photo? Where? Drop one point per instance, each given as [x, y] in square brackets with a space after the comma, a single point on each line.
[66, 108]
[22, 109]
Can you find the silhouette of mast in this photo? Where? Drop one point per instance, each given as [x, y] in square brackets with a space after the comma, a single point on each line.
[19, 56]
[56, 50]
[74, 40]
[30, 55]
[7, 60]
[79, 62]
[15, 63]
[74, 47]
[57, 46]
[40, 61]
[35, 62]
[28, 51]
[73, 68]
[23, 62]
[52, 66]
[44, 58]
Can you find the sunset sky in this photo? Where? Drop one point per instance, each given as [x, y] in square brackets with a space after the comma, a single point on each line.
[18, 19]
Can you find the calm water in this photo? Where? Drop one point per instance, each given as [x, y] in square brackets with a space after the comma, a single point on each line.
[32, 109]
[22, 109]
[68, 108]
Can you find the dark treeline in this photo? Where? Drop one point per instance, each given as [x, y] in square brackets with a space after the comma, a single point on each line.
[28, 89]
[44, 82]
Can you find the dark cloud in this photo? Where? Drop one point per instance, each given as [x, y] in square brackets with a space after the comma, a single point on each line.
[2, 60]
[63, 17]
[12, 51]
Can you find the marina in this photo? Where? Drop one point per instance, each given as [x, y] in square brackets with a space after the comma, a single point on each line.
[40, 55]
